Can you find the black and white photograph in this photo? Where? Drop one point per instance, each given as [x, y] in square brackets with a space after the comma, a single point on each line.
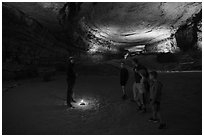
[101, 68]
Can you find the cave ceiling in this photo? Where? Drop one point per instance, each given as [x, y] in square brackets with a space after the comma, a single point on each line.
[122, 24]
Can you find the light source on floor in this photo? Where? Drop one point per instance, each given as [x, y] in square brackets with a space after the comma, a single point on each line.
[82, 102]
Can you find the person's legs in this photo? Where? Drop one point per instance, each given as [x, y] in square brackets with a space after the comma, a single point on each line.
[161, 123]
[69, 93]
[140, 97]
[139, 101]
[134, 91]
[147, 98]
[140, 93]
[73, 95]
[69, 96]
[154, 113]
[124, 92]
[159, 117]
[123, 89]
[143, 102]
[72, 91]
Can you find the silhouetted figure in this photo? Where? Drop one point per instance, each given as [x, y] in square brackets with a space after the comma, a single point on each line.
[124, 75]
[155, 99]
[71, 78]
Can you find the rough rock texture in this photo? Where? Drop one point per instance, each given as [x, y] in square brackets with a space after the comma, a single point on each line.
[189, 35]
[112, 26]
[45, 33]
[163, 46]
[27, 44]
[132, 24]
[47, 13]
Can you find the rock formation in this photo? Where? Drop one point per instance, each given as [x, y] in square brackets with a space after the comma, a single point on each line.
[45, 33]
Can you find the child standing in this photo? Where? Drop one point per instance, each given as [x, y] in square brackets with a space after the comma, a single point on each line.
[155, 99]
[124, 75]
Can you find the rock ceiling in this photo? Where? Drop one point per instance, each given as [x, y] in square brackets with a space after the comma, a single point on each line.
[123, 24]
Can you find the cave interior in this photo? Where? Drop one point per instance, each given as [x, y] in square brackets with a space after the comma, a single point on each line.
[39, 36]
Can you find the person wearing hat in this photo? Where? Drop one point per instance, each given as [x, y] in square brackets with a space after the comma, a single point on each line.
[71, 78]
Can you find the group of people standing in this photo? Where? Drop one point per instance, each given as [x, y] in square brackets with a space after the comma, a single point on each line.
[147, 89]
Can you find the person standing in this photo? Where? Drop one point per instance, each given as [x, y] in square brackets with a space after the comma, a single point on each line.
[124, 75]
[141, 101]
[71, 78]
[155, 99]
[138, 83]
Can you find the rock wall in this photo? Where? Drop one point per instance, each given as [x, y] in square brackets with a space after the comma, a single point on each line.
[27, 45]
[164, 46]
[189, 35]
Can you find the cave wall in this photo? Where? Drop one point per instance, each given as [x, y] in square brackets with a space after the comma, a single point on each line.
[30, 40]
[164, 46]
[189, 40]
[189, 35]
[26, 44]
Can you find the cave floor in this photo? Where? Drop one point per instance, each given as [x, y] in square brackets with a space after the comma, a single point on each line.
[37, 107]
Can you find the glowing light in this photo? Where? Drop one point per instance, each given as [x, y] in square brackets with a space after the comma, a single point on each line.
[86, 103]
[82, 102]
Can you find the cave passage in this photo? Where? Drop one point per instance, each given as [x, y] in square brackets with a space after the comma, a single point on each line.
[45, 93]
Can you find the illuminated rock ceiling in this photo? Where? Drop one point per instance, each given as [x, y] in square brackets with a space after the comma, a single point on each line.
[138, 22]
[113, 26]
